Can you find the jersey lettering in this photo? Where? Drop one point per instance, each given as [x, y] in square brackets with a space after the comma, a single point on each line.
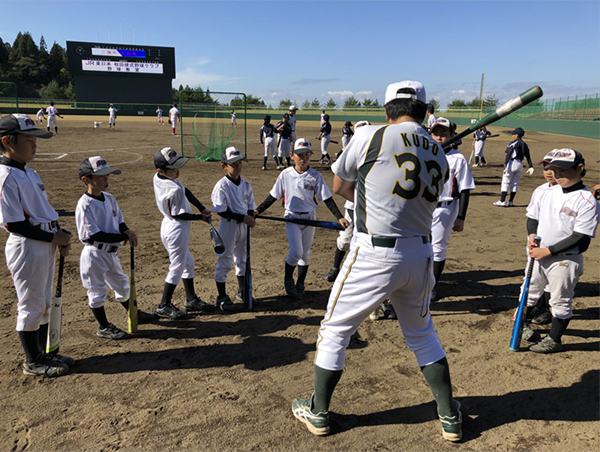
[411, 165]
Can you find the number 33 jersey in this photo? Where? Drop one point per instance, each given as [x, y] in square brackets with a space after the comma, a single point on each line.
[399, 172]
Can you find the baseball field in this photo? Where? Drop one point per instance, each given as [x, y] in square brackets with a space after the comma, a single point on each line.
[225, 382]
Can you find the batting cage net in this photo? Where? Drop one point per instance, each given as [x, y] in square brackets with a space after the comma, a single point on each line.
[210, 126]
[9, 100]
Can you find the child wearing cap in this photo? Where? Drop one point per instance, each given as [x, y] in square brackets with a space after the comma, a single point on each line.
[101, 229]
[292, 120]
[284, 129]
[325, 137]
[34, 235]
[453, 201]
[431, 119]
[479, 138]
[174, 201]
[300, 186]
[516, 151]
[267, 138]
[233, 200]
[346, 136]
[565, 217]
[112, 116]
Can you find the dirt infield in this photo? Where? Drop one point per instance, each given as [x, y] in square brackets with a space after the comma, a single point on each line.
[226, 381]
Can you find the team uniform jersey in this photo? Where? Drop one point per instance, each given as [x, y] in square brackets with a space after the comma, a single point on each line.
[292, 122]
[173, 115]
[393, 172]
[325, 137]
[98, 263]
[267, 136]
[112, 115]
[238, 198]
[175, 234]
[460, 176]
[284, 142]
[346, 136]
[40, 115]
[51, 111]
[300, 191]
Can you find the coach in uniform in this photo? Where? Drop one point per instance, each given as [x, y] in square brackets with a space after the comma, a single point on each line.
[394, 174]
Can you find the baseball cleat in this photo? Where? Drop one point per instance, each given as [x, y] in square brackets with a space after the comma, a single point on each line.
[169, 312]
[388, 311]
[263, 168]
[377, 312]
[542, 318]
[510, 204]
[198, 305]
[546, 345]
[60, 359]
[500, 204]
[45, 367]
[317, 423]
[332, 274]
[111, 332]
[527, 332]
[290, 287]
[452, 425]
[300, 291]
[225, 304]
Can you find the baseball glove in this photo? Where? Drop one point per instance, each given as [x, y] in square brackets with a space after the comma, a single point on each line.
[530, 171]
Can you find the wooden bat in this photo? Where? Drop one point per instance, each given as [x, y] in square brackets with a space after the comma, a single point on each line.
[215, 238]
[316, 223]
[517, 332]
[53, 341]
[248, 276]
[331, 141]
[509, 107]
[494, 136]
[132, 311]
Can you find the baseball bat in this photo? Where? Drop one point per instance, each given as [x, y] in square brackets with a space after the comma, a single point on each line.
[517, 332]
[248, 276]
[132, 311]
[494, 136]
[331, 141]
[215, 238]
[533, 93]
[315, 223]
[53, 341]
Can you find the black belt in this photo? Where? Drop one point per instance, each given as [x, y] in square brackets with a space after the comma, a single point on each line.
[107, 248]
[389, 242]
[50, 225]
[300, 213]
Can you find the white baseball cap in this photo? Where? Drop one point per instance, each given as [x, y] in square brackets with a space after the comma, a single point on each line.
[443, 122]
[231, 155]
[169, 158]
[359, 124]
[96, 166]
[392, 93]
[302, 145]
[293, 107]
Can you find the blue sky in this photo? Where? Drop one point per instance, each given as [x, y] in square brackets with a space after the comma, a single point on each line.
[334, 49]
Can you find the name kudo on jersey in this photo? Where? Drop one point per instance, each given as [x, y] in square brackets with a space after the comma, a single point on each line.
[415, 142]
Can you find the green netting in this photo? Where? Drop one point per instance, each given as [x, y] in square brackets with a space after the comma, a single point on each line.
[9, 99]
[213, 131]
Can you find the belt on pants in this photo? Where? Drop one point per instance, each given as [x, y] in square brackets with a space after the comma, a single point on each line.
[107, 248]
[390, 242]
[444, 203]
[50, 225]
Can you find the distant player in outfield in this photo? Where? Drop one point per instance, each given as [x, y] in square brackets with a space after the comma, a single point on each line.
[102, 230]
[112, 116]
[479, 138]
[233, 123]
[267, 138]
[284, 130]
[40, 115]
[431, 119]
[516, 151]
[52, 113]
[293, 110]
[325, 137]
[159, 113]
[173, 118]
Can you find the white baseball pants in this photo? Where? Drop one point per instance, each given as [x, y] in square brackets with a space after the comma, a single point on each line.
[511, 176]
[345, 237]
[98, 269]
[300, 238]
[175, 236]
[234, 237]
[284, 148]
[269, 146]
[441, 229]
[325, 139]
[479, 144]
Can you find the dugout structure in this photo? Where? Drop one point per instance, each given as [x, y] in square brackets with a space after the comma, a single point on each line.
[9, 98]
[206, 129]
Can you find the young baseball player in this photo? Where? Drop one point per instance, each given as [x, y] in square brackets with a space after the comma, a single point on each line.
[347, 133]
[174, 201]
[101, 229]
[300, 187]
[453, 202]
[112, 116]
[40, 116]
[52, 113]
[566, 218]
[267, 138]
[34, 235]
[431, 119]
[322, 118]
[325, 137]
[516, 151]
[173, 118]
[159, 113]
[233, 200]
[293, 110]
[394, 174]
[479, 138]
[284, 130]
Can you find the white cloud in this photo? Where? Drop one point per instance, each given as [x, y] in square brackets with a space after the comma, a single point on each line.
[200, 61]
[460, 91]
[364, 93]
[340, 93]
[192, 77]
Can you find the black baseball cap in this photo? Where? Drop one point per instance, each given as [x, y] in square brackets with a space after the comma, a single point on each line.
[20, 123]
[168, 158]
[326, 117]
[96, 166]
[518, 131]
[348, 124]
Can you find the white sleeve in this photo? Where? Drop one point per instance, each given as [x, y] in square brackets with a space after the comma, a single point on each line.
[219, 198]
[322, 191]
[278, 190]
[11, 210]
[587, 218]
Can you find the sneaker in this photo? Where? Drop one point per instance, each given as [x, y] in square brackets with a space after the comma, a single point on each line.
[320, 161]
[475, 165]
[169, 312]
[483, 164]
[546, 345]
[279, 167]
[500, 204]
[527, 332]
[111, 332]
[240, 297]
[388, 311]
[146, 317]
[510, 204]
[332, 274]
[300, 292]
[263, 168]
[317, 423]
[377, 312]
[198, 305]
[60, 359]
[45, 367]
[452, 425]
[290, 287]
[543, 318]
[225, 304]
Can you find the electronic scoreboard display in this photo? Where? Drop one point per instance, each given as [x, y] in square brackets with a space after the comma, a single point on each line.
[121, 72]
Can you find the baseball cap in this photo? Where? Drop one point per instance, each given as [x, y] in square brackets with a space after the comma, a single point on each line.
[326, 117]
[359, 124]
[518, 131]
[231, 155]
[392, 93]
[443, 122]
[566, 158]
[169, 158]
[548, 157]
[20, 123]
[267, 117]
[348, 124]
[302, 145]
[293, 108]
[96, 166]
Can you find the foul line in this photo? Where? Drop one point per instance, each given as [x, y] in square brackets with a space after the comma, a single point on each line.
[61, 155]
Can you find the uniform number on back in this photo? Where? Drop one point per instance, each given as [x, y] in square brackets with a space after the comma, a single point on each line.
[410, 188]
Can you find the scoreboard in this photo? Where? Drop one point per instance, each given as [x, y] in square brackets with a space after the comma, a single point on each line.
[121, 73]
